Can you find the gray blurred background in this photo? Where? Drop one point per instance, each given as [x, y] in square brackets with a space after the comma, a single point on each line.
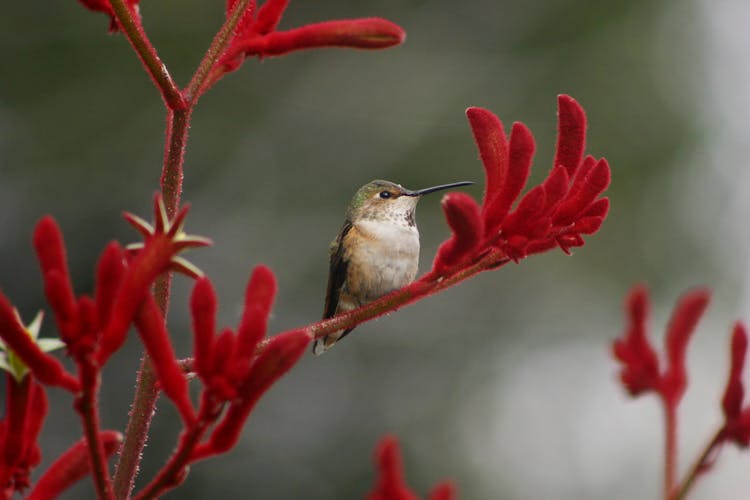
[505, 383]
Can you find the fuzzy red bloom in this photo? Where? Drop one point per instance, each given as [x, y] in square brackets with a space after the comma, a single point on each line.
[555, 213]
[44, 366]
[25, 410]
[71, 467]
[157, 254]
[736, 419]
[464, 218]
[256, 34]
[443, 491]
[684, 319]
[391, 484]
[282, 352]
[734, 393]
[640, 365]
[153, 331]
[203, 312]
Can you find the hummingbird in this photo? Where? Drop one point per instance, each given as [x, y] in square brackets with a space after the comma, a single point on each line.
[376, 251]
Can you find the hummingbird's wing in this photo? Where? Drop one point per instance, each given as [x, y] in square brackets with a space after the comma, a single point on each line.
[337, 272]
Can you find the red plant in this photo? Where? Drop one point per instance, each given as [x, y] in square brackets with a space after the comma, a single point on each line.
[642, 372]
[391, 485]
[235, 368]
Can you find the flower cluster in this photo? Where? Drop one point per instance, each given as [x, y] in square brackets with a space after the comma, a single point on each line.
[555, 213]
[642, 372]
[233, 373]
[391, 485]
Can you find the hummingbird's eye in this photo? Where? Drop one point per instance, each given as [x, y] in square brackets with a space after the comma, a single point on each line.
[385, 194]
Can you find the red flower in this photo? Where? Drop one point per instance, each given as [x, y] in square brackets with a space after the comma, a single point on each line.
[557, 212]
[256, 34]
[736, 419]
[25, 410]
[640, 365]
[71, 466]
[391, 485]
[228, 364]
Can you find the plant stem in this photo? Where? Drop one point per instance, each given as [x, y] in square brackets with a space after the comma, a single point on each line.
[178, 125]
[86, 404]
[700, 465]
[146, 392]
[219, 43]
[157, 70]
[670, 449]
[136, 432]
[172, 473]
[426, 285]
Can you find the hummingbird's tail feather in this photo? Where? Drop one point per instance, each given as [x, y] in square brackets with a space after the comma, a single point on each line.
[322, 344]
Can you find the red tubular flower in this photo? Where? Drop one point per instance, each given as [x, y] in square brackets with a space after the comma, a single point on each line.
[444, 491]
[640, 365]
[390, 484]
[25, 410]
[256, 35]
[150, 324]
[464, 218]
[259, 296]
[681, 325]
[282, 352]
[71, 467]
[163, 241]
[203, 312]
[44, 366]
[557, 212]
[109, 272]
[736, 420]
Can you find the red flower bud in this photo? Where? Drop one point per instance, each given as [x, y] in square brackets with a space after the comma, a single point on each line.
[269, 15]
[203, 312]
[640, 365]
[390, 484]
[571, 133]
[282, 352]
[681, 325]
[462, 214]
[109, 272]
[153, 332]
[735, 391]
[259, 295]
[368, 33]
[71, 467]
[45, 367]
[444, 491]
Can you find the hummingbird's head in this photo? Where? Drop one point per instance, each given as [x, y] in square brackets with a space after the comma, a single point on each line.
[390, 202]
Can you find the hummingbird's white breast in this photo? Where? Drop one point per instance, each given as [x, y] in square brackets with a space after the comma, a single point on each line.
[384, 258]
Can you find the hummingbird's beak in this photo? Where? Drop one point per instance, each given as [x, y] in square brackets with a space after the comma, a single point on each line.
[432, 189]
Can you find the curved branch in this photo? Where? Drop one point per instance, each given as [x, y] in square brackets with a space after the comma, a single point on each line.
[156, 69]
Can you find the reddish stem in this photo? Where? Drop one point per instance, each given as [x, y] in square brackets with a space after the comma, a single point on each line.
[173, 472]
[156, 69]
[428, 284]
[670, 449]
[704, 460]
[198, 82]
[136, 432]
[88, 408]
